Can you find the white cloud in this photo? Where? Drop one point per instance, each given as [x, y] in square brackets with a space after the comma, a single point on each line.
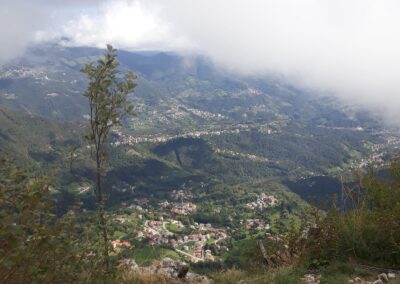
[129, 25]
[350, 48]
[347, 47]
[17, 25]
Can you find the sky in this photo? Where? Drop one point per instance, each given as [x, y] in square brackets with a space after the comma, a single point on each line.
[348, 48]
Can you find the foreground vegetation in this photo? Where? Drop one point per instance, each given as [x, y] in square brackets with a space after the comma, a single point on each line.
[37, 246]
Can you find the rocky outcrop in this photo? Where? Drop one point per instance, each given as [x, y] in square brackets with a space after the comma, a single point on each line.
[310, 279]
[383, 277]
[170, 269]
[380, 279]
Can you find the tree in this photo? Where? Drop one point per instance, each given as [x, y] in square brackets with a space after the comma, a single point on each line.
[37, 246]
[73, 156]
[107, 93]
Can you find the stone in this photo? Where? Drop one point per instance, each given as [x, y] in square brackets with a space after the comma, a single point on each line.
[196, 278]
[351, 281]
[379, 281]
[357, 279]
[130, 264]
[170, 269]
[167, 262]
[151, 268]
[391, 275]
[133, 265]
[383, 277]
[310, 278]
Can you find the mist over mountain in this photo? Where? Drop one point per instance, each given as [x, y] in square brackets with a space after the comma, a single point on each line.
[341, 49]
[264, 120]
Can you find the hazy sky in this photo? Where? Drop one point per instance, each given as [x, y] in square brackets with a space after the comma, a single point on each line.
[350, 48]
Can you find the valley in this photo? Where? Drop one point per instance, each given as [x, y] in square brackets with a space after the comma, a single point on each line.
[209, 163]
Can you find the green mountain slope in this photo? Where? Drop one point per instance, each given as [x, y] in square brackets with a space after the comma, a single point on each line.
[194, 122]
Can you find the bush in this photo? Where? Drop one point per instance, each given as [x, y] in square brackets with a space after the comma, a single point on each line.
[36, 246]
[369, 230]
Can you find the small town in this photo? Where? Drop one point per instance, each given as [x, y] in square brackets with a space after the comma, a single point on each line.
[263, 202]
[125, 139]
[193, 241]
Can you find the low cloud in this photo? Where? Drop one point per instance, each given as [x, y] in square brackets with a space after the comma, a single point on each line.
[18, 25]
[24, 23]
[349, 48]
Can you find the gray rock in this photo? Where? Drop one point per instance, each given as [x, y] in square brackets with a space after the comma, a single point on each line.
[391, 275]
[167, 272]
[358, 279]
[383, 277]
[131, 263]
[379, 281]
[151, 268]
[310, 278]
[171, 269]
[196, 278]
[179, 270]
[167, 262]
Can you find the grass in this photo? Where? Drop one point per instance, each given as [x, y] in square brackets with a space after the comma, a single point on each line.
[289, 274]
[335, 279]
[173, 228]
[337, 273]
[233, 276]
[128, 277]
[145, 255]
[239, 249]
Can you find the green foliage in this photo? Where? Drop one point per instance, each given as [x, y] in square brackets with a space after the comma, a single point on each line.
[146, 254]
[107, 95]
[369, 230]
[36, 246]
[288, 276]
[108, 102]
[338, 272]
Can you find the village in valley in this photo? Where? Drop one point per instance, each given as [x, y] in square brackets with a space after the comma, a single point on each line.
[162, 226]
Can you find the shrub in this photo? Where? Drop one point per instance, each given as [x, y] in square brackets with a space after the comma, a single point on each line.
[369, 230]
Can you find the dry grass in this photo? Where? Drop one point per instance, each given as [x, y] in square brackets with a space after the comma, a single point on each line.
[144, 277]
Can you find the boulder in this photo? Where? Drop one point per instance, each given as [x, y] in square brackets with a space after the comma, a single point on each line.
[131, 264]
[310, 278]
[379, 281]
[391, 275]
[168, 268]
[196, 278]
[383, 277]
[167, 262]
[171, 269]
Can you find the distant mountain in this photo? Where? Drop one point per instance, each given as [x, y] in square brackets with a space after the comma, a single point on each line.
[47, 81]
[28, 137]
[194, 121]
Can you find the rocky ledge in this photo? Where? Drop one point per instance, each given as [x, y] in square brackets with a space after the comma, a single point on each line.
[169, 269]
